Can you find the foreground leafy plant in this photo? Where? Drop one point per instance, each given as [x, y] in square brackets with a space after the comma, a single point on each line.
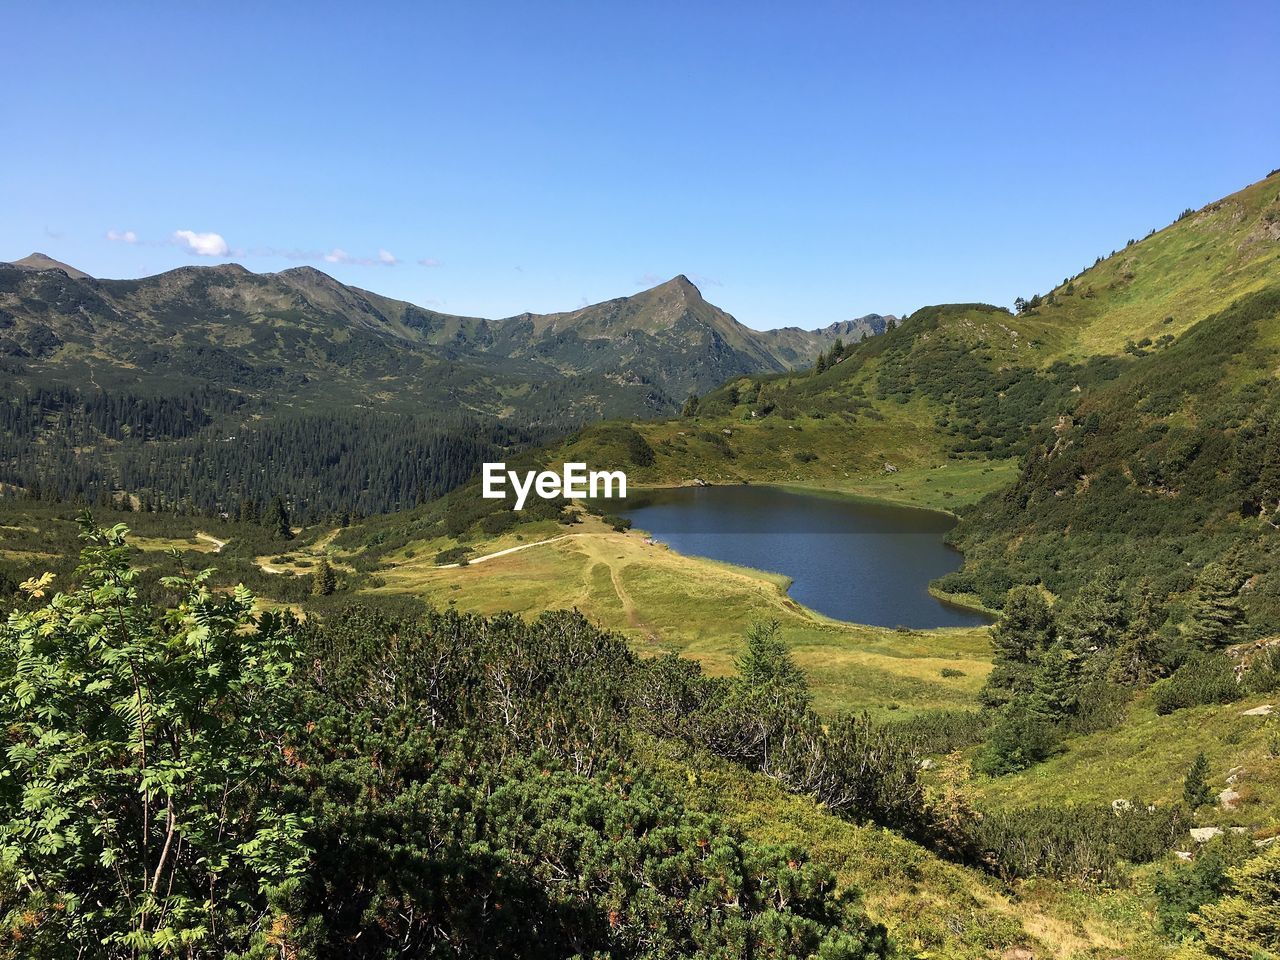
[142, 754]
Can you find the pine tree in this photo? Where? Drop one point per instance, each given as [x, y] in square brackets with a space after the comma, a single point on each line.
[1195, 789]
[277, 520]
[323, 580]
[1025, 630]
[1055, 686]
[1097, 617]
[1216, 616]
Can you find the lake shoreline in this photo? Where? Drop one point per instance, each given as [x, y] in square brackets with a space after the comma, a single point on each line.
[800, 488]
[880, 575]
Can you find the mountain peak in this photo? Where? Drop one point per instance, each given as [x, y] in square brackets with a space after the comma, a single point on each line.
[42, 261]
[311, 273]
[679, 285]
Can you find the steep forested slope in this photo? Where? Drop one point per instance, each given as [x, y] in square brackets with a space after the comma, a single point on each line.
[1173, 465]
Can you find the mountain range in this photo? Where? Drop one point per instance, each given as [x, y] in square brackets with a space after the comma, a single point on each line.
[303, 337]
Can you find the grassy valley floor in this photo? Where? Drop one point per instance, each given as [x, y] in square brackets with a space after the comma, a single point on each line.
[665, 602]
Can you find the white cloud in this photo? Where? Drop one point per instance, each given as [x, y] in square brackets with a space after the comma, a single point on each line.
[385, 258]
[202, 244]
[428, 262]
[122, 236]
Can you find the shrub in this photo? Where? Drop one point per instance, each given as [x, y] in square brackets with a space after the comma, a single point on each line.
[499, 522]
[941, 731]
[1205, 678]
[1245, 922]
[1020, 739]
[1183, 889]
[144, 765]
[457, 555]
[1083, 843]
[1263, 675]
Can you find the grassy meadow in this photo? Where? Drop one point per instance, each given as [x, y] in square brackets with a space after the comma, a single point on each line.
[665, 602]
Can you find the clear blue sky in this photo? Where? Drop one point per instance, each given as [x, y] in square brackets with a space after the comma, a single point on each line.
[803, 162]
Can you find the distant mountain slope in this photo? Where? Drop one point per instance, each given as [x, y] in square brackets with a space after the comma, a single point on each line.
[40, 261]
[302, 333]
[801, 346]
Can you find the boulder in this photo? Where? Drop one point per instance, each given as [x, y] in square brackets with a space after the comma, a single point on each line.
[1263, 711]
[1205, 834]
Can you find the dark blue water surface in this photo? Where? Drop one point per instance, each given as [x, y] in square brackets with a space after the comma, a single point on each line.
[862, 562]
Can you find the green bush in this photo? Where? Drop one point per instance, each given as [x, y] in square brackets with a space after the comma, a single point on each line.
[1077, 842]
[453, 555]
[1205, 678]
[1019, 739]
[942, 731]
[1263, 675]
[1183, 889]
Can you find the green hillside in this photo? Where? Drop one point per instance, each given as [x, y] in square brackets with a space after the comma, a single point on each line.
[1173, 278]
[1172, 466]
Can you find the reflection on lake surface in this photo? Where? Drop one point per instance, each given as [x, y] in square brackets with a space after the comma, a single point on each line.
[862, 562]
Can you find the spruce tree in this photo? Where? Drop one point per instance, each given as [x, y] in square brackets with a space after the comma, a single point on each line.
[324, 582]
[1195, 789]
[1216, 616]
[1097, 617]
[1055, 685]
[1025, 630]
[277, 520]
[768, 671]
[1137, 658]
